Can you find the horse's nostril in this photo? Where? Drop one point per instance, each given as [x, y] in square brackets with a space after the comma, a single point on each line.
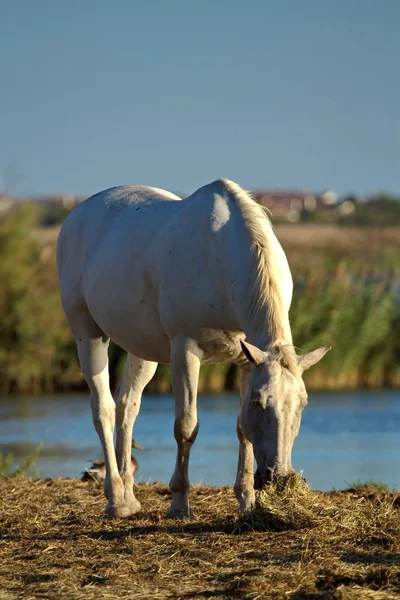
[263, 478]
[269, 475]
[258, 483]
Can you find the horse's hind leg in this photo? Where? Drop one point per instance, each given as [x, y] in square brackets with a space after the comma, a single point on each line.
[137, 375]
[93, 356]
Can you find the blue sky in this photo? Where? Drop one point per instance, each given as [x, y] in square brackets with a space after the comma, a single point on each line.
[176, 93]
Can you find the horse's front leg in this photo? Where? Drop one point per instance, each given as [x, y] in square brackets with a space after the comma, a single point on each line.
[244, 484]
[185, 367]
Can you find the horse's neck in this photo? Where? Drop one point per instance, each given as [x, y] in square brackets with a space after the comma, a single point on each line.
[266, 338]
[269, 324]
[263, 280]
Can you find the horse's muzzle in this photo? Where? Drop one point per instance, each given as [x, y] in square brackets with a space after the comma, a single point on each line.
[268, 475]
[261, 480]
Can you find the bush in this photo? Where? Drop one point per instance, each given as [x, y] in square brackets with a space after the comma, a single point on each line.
[8, 468]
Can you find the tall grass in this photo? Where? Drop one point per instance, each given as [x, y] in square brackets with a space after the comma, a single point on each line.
[9, 468]
[348, 296]
[359, 315]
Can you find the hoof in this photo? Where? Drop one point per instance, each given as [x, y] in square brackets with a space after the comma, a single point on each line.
[246, 504]
[246, 498]
[180, 515]
[134, 506]
[117, 512]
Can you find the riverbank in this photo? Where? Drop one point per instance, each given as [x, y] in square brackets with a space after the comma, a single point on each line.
[54, 543]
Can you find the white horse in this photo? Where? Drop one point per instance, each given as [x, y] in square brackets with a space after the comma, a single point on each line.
[183, 282]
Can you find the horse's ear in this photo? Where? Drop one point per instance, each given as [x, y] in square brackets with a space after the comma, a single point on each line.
[308, 360]
[253, 354]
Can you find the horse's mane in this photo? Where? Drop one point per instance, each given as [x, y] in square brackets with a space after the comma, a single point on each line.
[286, 356]
[263, 299]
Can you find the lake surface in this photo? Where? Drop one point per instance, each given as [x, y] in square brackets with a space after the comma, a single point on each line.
[344, 437]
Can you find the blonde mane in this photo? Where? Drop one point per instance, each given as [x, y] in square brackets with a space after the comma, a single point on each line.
[264, 300]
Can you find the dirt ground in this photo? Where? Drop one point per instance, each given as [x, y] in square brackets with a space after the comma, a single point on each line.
[54, 543]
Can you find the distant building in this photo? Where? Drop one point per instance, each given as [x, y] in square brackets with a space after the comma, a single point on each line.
[68, 201]
[290, 204]
[5, 203]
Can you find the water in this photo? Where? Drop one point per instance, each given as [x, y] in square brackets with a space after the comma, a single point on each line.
[344, 437]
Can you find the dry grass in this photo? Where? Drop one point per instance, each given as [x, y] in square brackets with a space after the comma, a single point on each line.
[307, 235]
[297, 545]
[323, 236]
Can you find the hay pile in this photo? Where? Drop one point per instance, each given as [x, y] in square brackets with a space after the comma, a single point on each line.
[297, 544]
[289, 504]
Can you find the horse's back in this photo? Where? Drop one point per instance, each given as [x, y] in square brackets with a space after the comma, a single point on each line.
[113, 226]
[115, 212]
[117, 204]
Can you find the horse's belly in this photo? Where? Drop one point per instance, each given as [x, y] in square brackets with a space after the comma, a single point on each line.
[143, 345]
[136, 331]
[127, 313]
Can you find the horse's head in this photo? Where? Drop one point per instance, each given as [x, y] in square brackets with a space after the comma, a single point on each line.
[271, 412]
